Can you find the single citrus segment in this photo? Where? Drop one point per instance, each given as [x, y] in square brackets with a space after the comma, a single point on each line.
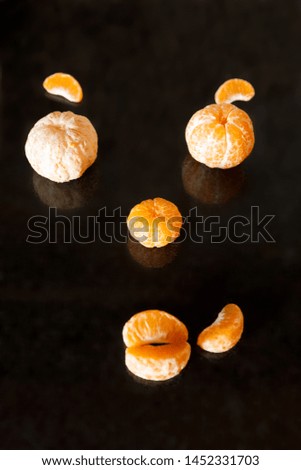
[224, 332]
[157, 347]
[220, 136]
[157, 362]
[64, 85]
[155, 222]
[153, 326]
[234, 89]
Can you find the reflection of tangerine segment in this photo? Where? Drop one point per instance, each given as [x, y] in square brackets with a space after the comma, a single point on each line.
[211, 185]
[157, 362]
[220, 136]
[64, 85]
[224, 332]
[157, 347]
[155, 222]
[234, 89]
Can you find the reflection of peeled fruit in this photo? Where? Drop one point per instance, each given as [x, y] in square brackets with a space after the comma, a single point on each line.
[71, 195]
[152, 258]
[211, 185]
[155, 222]
[220, 136]
[224, 332]
[61, 146]
[157, 347]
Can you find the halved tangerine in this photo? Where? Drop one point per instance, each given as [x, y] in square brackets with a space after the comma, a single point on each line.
[225, 332]
[157, 362]
[64, 85]
[234, 89]
[157, 347]
[220, 136]
[155, 222]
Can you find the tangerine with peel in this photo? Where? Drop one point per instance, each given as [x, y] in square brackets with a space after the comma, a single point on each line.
[225, 332]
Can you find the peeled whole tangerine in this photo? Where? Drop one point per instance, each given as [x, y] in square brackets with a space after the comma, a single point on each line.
[225, 332]
[157, 347]
[220, 136]
[61, 146]
[154, 222]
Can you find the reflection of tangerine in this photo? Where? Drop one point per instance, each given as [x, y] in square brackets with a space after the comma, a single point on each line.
[220, 136]
[152, 258]
[234, 89]
[224, 332]
[155, 222]
[211, 185]
[71, 195]
[64, 85]
[157, 347]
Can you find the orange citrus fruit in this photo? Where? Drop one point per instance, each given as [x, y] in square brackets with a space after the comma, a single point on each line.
[64, 85]
[234, 89]
[157, 347]
[155, 222]
[224, 332]
[220, 136]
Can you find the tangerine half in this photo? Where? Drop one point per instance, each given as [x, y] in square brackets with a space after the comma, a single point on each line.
[225, 332]
[234, 89]
[155, 222]
[157, 347]
[64, 85]
[220, 136]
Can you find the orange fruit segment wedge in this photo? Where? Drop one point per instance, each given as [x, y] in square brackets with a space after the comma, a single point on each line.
[157, 347]
[225, 332]
[157, 362]
[65, 85]
[153, 326]
[234, 89]
[155, 222]
[220, 136]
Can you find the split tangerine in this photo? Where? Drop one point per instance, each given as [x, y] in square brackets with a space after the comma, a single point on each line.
[64, 85]
[157, 347]
[225, 331]
[155, 222]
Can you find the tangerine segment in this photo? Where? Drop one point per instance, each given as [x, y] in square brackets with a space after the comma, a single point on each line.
[224, 332]
[64, 85]
[220, 136]
[234, 89]
[157, 362]
[153, 326]
[155, 222]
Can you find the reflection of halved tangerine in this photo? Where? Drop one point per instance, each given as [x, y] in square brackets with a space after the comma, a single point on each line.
[152, 258]
[224, 332]
[234, 89]
[211, 185]
[64, 85]
[157, 347]
[220, 136]
[155, 222]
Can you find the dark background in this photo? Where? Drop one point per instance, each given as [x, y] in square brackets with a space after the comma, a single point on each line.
[145, 67]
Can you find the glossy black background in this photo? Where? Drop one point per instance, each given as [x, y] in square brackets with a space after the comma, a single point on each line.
[145, 67]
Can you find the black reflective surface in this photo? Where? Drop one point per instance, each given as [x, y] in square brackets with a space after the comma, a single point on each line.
[145, 67]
